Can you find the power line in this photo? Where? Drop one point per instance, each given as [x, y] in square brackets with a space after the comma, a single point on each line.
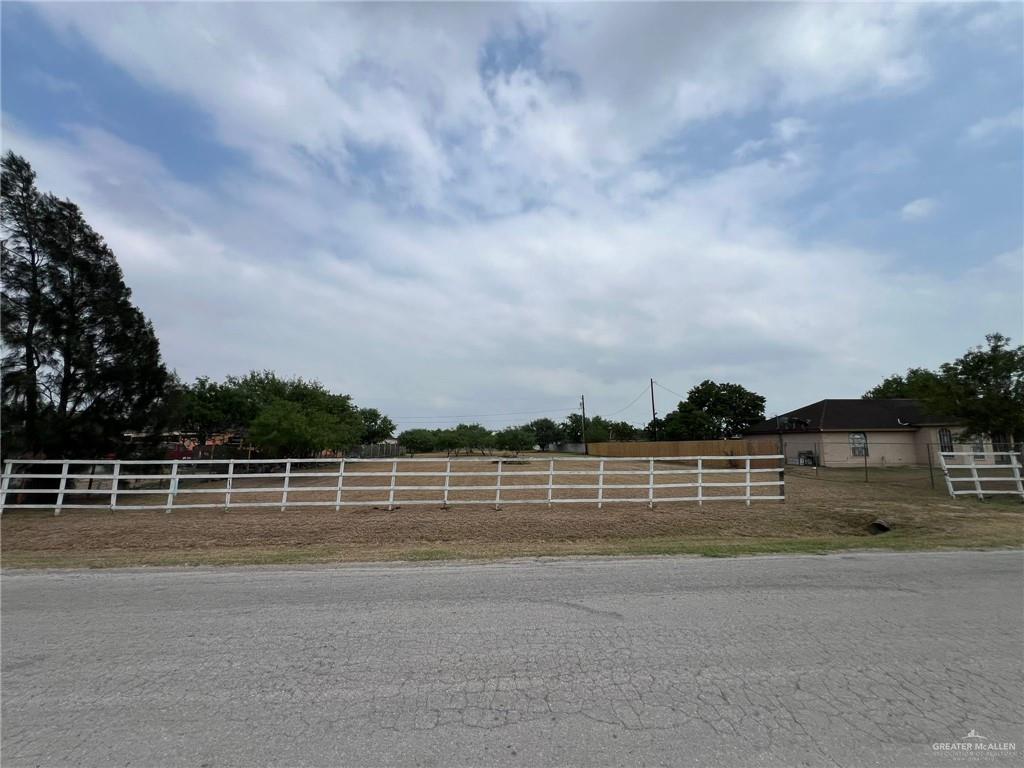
[631, 404]
[484, 415]
[672, 391]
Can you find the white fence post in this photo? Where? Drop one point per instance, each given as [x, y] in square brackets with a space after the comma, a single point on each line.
[748, 481]
[600, 484]
[231, 476]
[391, 488]
[113, 484]
[5, 484]
[172, 486]
[341, 480]
[977, 480]
[287, 479]
[700, 481]
[945, 474]
[1016, 474]
[497, 489]
[447, 482]
[63, 486]
[551, 479]
[650, 485]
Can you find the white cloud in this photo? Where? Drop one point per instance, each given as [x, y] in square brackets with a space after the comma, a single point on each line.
[784, 133]
[990, 128]
[918, 209]
[789, 129]
[612, 81]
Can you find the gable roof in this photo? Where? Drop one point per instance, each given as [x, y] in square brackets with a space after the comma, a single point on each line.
[851, 415]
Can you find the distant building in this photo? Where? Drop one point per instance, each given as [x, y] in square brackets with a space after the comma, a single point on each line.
[885, 432]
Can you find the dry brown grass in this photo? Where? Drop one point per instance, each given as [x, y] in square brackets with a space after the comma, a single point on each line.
[818, 515]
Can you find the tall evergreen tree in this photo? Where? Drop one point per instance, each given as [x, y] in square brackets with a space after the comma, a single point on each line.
[22, 268]
[82, 364]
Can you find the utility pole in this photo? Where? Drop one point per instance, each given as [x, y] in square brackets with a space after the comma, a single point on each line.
[654, 413]
[583, 431]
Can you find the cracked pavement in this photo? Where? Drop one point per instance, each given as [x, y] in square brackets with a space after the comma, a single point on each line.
[858, 659]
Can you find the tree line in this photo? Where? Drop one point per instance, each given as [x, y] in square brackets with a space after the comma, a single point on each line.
[711, 411]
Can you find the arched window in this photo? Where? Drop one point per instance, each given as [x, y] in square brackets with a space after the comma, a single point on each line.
[945, 440]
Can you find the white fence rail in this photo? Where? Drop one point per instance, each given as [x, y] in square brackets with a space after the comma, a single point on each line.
[240, 483]
[992, 473]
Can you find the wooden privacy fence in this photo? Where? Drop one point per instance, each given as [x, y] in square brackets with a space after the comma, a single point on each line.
[759, 447]
[992, 473]
[239, 483]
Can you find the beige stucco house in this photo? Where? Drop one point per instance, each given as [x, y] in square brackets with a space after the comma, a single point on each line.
[879, 432]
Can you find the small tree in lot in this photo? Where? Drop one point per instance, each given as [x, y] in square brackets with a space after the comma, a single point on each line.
[546, 432]
[732, 408]
[376, 426]
[418, 440]
[472, 437]
[622, 430]
[514, 439]
[687, 422]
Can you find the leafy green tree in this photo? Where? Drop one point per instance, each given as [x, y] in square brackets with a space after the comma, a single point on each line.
[598, 428]
[731, 407]
[446, 440]
[278, 414]
[376, 426]
[287, 428]
[469, 437]
[82, 364]
[207, 408]
[514, 439]
[418, 440]
[687, 422]
[654, 430]
[572, 428]
[282, 428]
[622, 430]
[546, 432]
[918, 383]
[984, 388]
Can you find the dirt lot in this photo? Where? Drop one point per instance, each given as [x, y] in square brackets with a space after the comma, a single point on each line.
[819, 514]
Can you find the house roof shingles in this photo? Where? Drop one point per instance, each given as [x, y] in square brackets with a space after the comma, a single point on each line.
[851, 415]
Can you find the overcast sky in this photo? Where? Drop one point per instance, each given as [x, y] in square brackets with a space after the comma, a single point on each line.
[451, 210]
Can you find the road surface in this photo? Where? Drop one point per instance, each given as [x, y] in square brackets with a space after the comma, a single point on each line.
[851, 660]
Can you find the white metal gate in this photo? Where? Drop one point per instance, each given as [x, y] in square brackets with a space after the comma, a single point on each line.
[992, 473]
[287, 483]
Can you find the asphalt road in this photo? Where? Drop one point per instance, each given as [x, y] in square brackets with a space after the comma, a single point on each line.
[852, 660]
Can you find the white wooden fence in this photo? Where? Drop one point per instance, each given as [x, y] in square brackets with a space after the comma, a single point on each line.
[985, 474]
[233, 483]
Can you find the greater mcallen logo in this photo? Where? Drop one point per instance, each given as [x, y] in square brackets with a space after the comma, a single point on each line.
[976, 744]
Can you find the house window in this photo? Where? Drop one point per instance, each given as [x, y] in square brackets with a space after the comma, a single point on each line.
[978, 446]
[1001, 444]
[945, 440]
[859, 443]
